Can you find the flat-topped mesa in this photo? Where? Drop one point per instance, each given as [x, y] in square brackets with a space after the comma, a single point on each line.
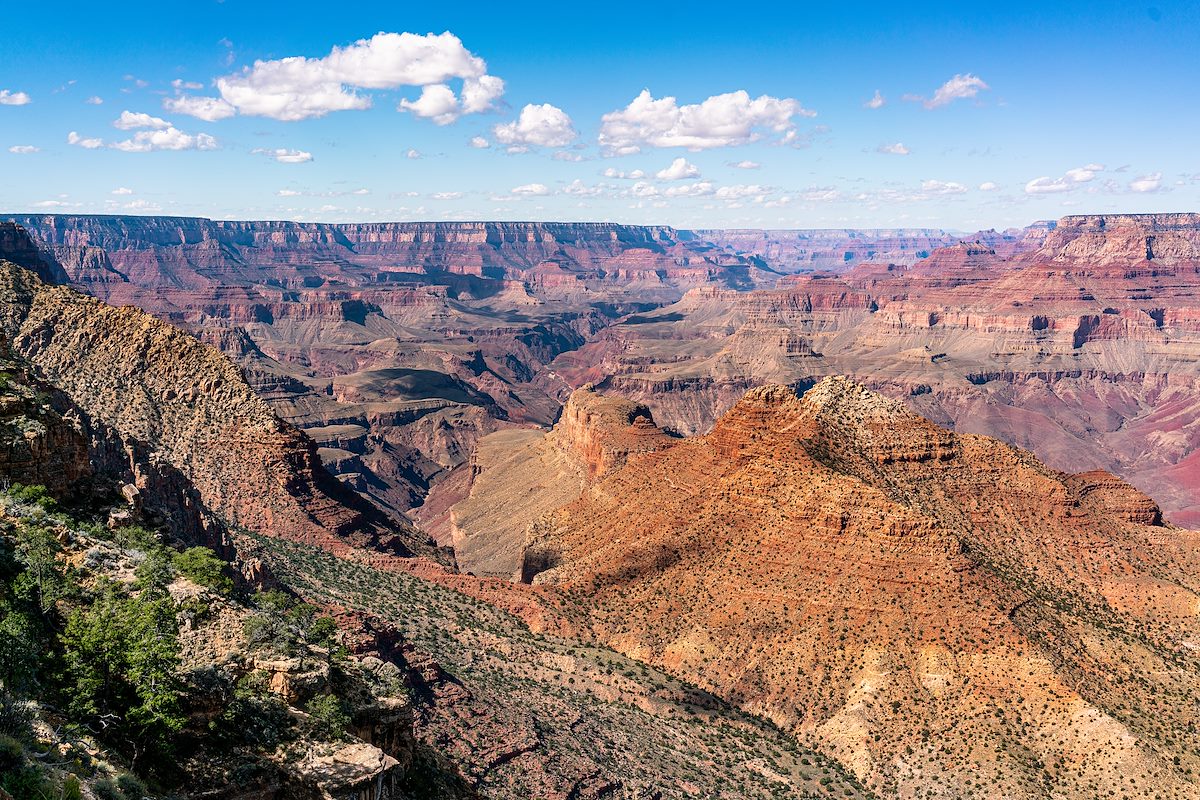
[120, 232]
[1123, 239]
[604, 431]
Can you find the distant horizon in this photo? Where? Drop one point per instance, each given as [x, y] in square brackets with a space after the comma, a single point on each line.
[13, 216]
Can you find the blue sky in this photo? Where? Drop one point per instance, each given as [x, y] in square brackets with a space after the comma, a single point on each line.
[991, 116]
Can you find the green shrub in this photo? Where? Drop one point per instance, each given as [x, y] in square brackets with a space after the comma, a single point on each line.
[201, 565]
[35, 495]
[329, 717]
[131, 787]
[12, 754]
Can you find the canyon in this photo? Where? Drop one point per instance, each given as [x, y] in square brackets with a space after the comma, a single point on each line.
[898, 512]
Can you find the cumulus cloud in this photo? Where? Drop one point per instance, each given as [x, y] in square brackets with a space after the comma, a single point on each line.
[288, 193]
[9, 98]
[54, 204]
[895, 149]
[129, 121]
[284, 156]
[720, 121]
[298, 87]
[446, 195]
[79, 141]
[698, 189]
[480, 143]
[988, 186]
[875, 102]
[169, 138]
[1146, 183]
[1071, 180]
[634, 175]
[679, 169]
[741, 191]
[531, 190]
[580, 189]
[94, 100]
[567, 155]
[745, 164]
[537, 126]
[960, 87]
[121, 191]
[935, 187]
[412, 153]
[209, 109]
[23, 149]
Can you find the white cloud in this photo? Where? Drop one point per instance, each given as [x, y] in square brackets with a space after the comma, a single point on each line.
[169, 138]
[95, 100]
[720, 121]
[567, 155]
[875, 102]
[680, 169]
[1146, 183]
[988, 186]
[288, 193]
[1085, 173]
[8, 98]
[895, 149]
[960, 87]
[298, 88]
[739, 192]
[1071, 180]
[579, 188]
[23, 149]
[412, 153]
[1047, 185]
[54, 204]
[537, 126]
[745, 164]
[480, 143]
[179, 84]
[437, 102]
[121, 191]
[284, 156]
[942, 187]
[88, 144]
[446, 195]
[698, 189]
[129, 121]
[209, 109]
[531, 190]
[613, 172]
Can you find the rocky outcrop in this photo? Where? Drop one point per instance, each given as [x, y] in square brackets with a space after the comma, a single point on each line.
[1125, 240]
[42, 435]
[912, 599]
[177, 402]
[518, 475]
